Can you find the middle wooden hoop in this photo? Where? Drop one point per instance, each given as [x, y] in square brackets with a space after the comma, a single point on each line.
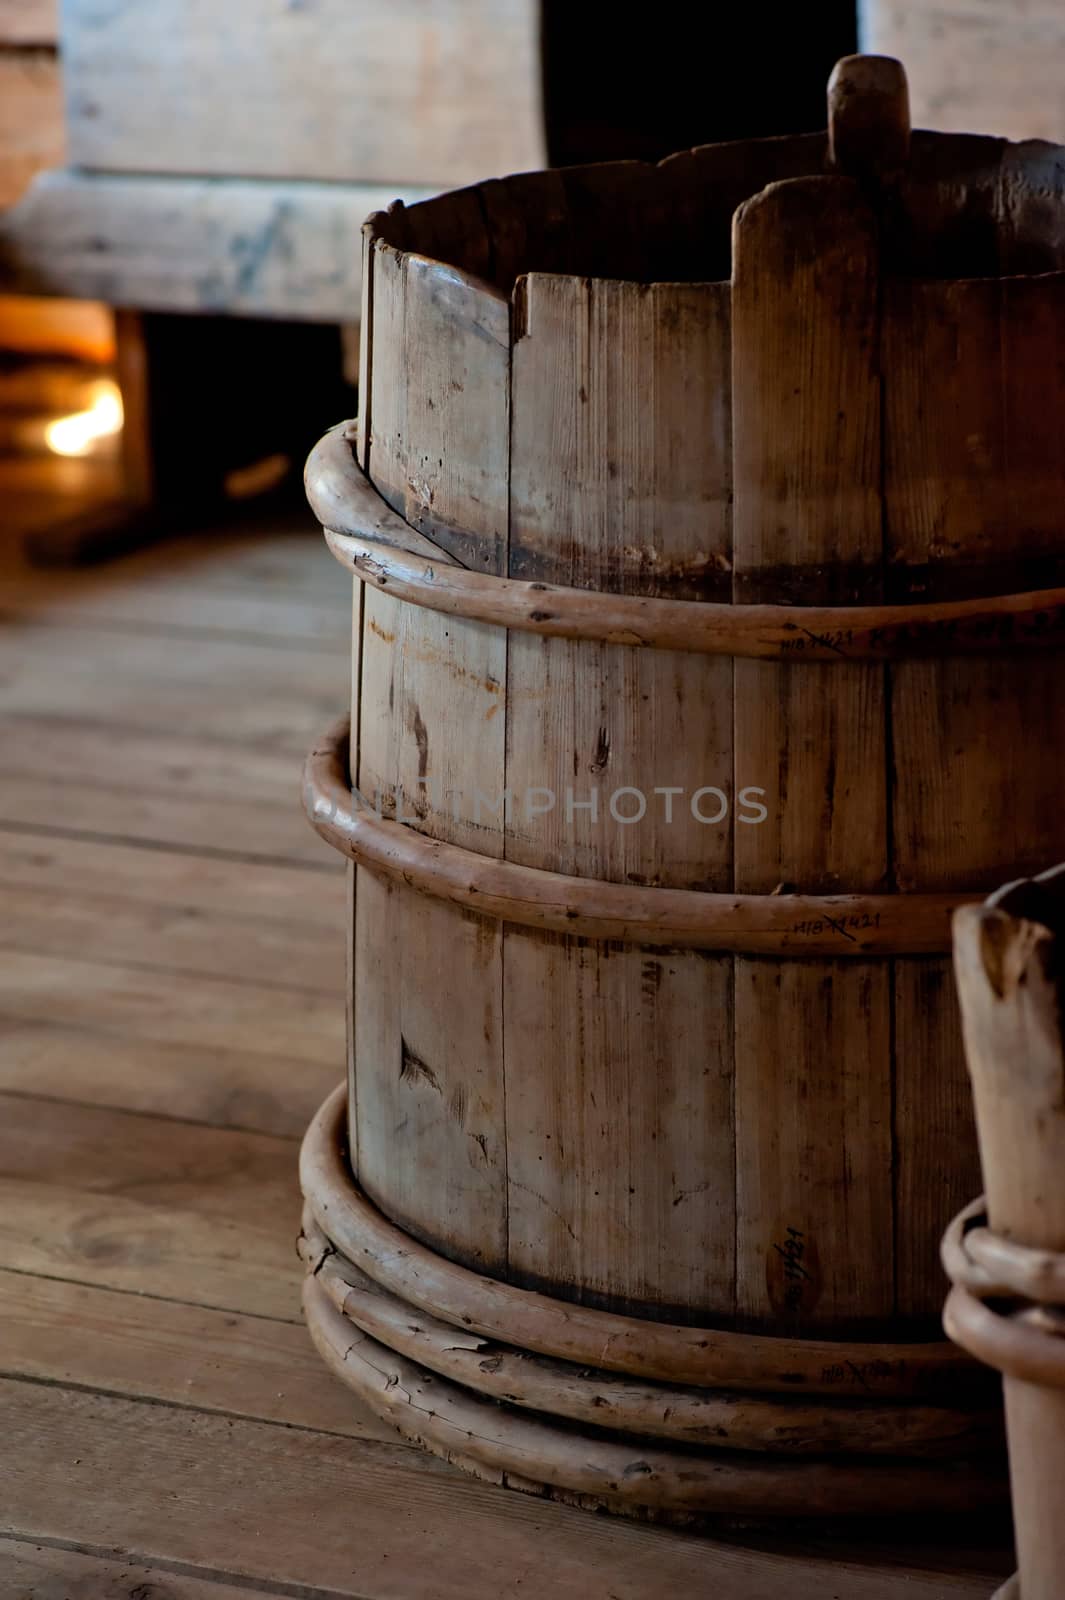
[592, 908]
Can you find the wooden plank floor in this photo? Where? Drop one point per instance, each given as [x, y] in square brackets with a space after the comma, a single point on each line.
[171, 1012]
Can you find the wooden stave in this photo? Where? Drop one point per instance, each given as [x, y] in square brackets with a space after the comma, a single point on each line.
[722, 1421]
[378, 546]
[627, 1477]
[672, 1353]
[885, 925]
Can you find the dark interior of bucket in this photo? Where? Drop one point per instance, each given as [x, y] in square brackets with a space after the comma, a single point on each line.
[966, 206]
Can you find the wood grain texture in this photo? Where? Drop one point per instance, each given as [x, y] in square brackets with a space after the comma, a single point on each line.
[441, 444]
[172, 1008]
[223, 245]
[806, 463]
[972, 377]
[974, 65]
[35, 1568]
[443, 462]
[620, 478]
[148, 912]
[335, 91]
[116, 1201]
[200, 1490]
[181, 1355]
[258, 695]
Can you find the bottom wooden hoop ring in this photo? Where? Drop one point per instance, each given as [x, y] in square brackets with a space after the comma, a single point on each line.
[623, 1475]
[775, 1425]
[1010, 1345]
[704, 1357]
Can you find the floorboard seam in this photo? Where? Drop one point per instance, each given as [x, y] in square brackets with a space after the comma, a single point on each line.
[184, 1569]
[147, 1294]
[39, 830]
[290, 1140]
[70, 1386]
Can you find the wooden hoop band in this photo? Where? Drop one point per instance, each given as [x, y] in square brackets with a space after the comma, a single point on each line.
[377, 545]
[750, 924]
[528, 1320]
[687, 1416]
[1009, 1342]
[1022, 1340]
[991, 1267]
[483, 1434]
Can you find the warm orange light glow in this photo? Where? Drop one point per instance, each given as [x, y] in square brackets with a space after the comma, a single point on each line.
[76, 435]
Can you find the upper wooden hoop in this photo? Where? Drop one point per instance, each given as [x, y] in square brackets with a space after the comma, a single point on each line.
[991, 1267]
[1016, 1339]
[704, 1357]
[591, 908]
[368, 538]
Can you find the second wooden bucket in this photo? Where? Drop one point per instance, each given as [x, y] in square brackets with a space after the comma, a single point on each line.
[705, 520]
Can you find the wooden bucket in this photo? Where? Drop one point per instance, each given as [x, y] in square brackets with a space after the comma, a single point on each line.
[706, 518]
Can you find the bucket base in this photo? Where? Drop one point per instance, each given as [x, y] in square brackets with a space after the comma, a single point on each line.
[381, 1310]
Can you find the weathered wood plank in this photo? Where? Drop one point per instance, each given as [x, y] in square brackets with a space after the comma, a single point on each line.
[439, 448]
[172, 1008]
[135, 597]
[340, 90]
[149, 1205]
[247, 692]
[240, 1264]
[222, 245]
[245, 1498]
[206, 1171]
[276, 898]
[181, 767]
[253, 834]
[974, 64]
[974, 396]
[814, 1187]
[184, 1355]
[37, 1570]
[437, 1087]
[102, 1066]
[620, 474]
[149, 908]
[444, 465]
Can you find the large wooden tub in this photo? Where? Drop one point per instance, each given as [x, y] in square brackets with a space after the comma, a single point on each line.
[706, 520]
